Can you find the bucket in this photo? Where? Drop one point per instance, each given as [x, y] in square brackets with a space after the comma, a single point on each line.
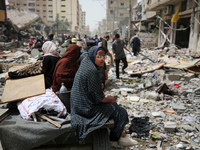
[65, 98]
[176, 86]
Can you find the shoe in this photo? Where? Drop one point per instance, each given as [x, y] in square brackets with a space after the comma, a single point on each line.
[127, 141]
[124, 72]
[113, 144]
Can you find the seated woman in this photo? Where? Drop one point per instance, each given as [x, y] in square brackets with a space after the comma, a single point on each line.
[101, 69]
[66, 68]
[48, 102]
[90, 109]
[45, 65]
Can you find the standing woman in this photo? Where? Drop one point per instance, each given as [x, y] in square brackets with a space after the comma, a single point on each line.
[90, 109]
[44, 65]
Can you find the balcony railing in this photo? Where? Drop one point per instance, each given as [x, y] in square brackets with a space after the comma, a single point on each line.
[160, 4]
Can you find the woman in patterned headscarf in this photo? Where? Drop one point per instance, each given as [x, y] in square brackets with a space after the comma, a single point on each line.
[90, 109]
[45, 65]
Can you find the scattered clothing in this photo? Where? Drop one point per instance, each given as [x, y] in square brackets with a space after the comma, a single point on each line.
[141, 126]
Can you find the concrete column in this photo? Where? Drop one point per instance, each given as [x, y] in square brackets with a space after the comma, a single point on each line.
[173, 33]
[160, 37]
[194, 31]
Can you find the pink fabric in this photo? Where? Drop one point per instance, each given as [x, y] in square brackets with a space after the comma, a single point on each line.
[49, 48]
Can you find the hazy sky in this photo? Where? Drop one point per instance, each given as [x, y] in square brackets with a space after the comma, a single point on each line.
[95, 11]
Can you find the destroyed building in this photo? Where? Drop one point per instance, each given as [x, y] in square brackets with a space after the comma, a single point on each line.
[28, 23]
[177, 22]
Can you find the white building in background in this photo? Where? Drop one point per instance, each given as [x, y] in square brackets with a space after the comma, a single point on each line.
[102, 27]
[83, 19]
[117, 14]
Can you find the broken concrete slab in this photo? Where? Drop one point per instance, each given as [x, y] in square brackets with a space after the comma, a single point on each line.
[133, 98]
[151, 95]
[179, 107]
[170, 126]
[187, 127]
[173, 77]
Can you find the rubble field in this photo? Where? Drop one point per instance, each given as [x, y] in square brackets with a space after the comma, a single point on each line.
[160, 92]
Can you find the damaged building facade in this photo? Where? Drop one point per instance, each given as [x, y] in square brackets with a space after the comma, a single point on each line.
[64, 16]
[177, 22]
[18, 27]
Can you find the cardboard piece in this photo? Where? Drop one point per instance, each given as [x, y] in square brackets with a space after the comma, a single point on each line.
[155, 67]
[19, 89]
[178, 64]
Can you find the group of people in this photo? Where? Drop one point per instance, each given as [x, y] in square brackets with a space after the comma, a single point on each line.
[90, 108]
[38, 42]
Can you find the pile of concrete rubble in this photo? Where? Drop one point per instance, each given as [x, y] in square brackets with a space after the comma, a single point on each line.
[161, 85]
[168, 95]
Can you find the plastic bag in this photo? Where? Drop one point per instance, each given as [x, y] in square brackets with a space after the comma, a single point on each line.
[47, 101]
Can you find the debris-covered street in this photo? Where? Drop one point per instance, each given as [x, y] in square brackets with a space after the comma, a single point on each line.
[100, 74]
[163, 103]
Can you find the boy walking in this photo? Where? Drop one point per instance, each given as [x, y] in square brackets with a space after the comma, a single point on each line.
[118, 49]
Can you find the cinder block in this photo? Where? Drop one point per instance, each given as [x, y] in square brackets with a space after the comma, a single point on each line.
[174, 77]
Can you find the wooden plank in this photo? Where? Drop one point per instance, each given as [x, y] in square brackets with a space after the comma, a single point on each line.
[6, 114]
[48, 119]
[177, 64]
[19, 89]
[154, 67]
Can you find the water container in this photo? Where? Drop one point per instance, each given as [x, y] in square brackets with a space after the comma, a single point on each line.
[63, 89]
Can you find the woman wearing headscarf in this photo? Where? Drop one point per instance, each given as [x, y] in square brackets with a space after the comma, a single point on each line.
[90, 109]
[66, 68]
[44, 65]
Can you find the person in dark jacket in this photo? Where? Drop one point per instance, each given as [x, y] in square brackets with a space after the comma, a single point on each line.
[136, 45]
[45, 65]
[50, 37]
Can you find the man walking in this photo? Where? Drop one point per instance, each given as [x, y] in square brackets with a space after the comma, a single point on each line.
[118, 49]
[136, 45]
[105, 46]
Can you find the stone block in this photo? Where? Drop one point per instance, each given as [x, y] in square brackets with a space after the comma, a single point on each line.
[156, 114]
[133, 98]
[124, 93]
[189, 76]
[179, 107]
[151, 95]
[169, 126]
[188, 128]
[173, 77]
